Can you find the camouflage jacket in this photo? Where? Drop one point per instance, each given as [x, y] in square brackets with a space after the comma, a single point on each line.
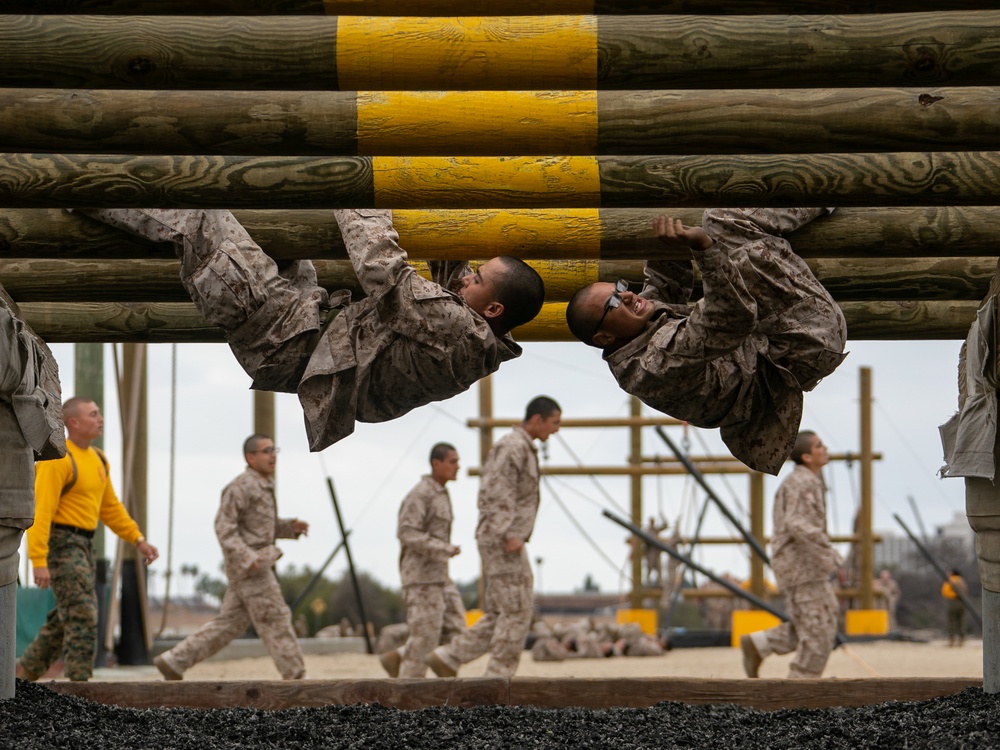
[247, 524]
[508, 490]
[685, 364]
[409, 342]
[424, 532]
[800, 547]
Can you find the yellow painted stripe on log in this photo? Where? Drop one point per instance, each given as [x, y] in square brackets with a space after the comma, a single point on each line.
[450, 122]
[466, 53]
[566, 234]
[549, 325]
[486, 182]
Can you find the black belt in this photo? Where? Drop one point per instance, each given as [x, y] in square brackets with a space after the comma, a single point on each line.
[89, 533]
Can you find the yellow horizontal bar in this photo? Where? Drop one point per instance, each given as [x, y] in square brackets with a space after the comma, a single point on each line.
[485, 182]
[469, 52]
[459, 122]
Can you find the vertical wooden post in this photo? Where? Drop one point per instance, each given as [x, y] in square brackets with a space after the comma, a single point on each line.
[757, 531]
[485, 443]
[635, 459]
[88, 380]
[263, 414]
[866, 562]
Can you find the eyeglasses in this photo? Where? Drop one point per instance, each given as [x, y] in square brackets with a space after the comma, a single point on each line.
[270, 451]
[615, 300]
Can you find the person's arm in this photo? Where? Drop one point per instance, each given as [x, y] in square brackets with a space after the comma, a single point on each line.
[449, 273]
[669, 281]
[373, 246]
[498, 493]
[805, 515]
[50, 478]
[290, 528]
[227, 529]
[720, 322]
[411, 531]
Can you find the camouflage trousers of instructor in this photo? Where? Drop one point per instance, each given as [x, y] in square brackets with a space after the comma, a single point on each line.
[434, 615]
[506, 617]
[813, 610]
[257, 600]
[70, 629]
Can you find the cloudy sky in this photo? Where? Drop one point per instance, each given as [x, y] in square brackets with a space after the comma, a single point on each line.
[914, 391]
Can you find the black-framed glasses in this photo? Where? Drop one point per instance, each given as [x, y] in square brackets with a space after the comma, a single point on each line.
[269, 451]
[615, 300]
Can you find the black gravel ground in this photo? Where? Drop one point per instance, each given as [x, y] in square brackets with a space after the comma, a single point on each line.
[37, 718]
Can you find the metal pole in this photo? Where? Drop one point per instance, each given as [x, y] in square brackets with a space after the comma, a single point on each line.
[700, 479]
[635, 446]
[350, 565]
[938, 567]
[319, 574]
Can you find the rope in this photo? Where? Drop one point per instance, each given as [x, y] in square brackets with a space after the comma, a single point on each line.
[578, 527]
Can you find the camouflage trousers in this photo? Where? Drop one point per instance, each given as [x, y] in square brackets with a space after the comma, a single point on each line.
[811, 632]
[256, 600]
[70, 630]
[505, 622]
[270, 316]
[435, 615]
[805, 329]
[956, 620]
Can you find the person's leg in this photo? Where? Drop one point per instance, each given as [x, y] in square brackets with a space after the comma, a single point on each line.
[454, 623]
[805, 327]
[813, 608]
[425, 605]
[512, 599]
[210, 638]
[272, 620]
[269, 316]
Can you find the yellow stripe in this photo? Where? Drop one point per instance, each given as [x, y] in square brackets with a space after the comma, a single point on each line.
[450, 122]
[486, 182]
[504, 52]
[550, 325]
[457, 234]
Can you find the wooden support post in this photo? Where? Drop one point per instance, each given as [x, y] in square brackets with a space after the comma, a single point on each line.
[635, 455]
[485, 443]
[866, 561]
[757, 530]
[263, 414]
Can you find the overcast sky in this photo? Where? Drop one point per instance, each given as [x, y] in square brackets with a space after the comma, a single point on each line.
[914, 385]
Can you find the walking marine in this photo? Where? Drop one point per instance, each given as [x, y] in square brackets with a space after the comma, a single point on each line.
[765, 330]
[247, 524]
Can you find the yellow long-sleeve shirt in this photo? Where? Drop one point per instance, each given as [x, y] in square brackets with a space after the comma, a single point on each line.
[91, 498]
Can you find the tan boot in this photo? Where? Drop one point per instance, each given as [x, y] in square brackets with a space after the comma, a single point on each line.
[751, 656]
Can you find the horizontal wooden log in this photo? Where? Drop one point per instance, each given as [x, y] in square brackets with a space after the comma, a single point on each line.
[608, 234]
[847, 279]
[490, 123]
[483, 7]
[635, 692]
[500, 52]
[166, 322]
[869, 179]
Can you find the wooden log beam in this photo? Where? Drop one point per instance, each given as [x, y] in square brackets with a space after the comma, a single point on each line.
[490, 123]
[483, 7]
[635, 692]
[500, 52]
[870, 179]
[179, 322]
[847, 279]
[607, 234]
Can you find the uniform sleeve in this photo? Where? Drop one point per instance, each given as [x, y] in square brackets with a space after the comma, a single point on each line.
[115, 517]
[449, 273]
[237, 552]
[50, 478]
[283, 528]
[498, 490]
[805, 514]
[669, 281]
[373, 246]
[412, 524]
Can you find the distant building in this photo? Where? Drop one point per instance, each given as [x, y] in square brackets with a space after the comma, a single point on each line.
[898, 550]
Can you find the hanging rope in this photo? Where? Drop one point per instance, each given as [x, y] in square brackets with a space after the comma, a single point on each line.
[577, 525]
[579, 464]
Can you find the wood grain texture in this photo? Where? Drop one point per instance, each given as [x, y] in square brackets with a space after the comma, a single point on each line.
[483, 7]
[847, 279]
[637, 692]
[902, 49]
[610, 234]
[501, 52]
[167, 322]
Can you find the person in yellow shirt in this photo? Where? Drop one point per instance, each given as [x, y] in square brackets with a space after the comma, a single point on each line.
[71, 495]
[953, 590]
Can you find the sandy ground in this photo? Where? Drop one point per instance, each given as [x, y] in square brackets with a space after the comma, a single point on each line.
[882, 659]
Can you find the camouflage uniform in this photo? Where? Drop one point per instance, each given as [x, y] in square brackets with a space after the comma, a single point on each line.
[765, 331]
[30, 427]
[61, 538]
[508, 504]
[434, 610]
[803, 561]
[409, 342]
[247, 524]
